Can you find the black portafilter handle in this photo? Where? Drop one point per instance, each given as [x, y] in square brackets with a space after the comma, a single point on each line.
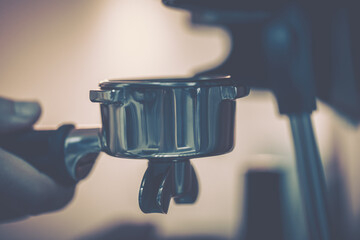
[43, 149]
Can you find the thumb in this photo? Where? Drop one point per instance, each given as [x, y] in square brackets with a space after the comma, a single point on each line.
[17, 115]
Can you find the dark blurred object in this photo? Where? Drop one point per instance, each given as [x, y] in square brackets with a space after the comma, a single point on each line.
[124, 231]
[196, 237]
[45, 150]
[66, 154]
[273, 49]
[329, 46]
[299, 50]
[264, 203]
[336, 53]
[129, 231]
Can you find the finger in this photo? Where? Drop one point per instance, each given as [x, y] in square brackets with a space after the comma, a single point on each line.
[17, 115]
[25, 191]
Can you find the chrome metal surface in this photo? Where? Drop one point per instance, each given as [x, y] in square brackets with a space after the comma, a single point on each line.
[168, 121]
[81, 148]
[311, 177]
[168, 118]
[200, 81]
[106, 96]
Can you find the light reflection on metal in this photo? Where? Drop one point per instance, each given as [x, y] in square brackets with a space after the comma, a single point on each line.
[168, 121]
[168, 118]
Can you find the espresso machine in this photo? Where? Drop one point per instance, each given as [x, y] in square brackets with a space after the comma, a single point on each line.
[281, 46]
[299, 50]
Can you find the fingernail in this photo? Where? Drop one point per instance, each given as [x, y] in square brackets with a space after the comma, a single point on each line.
[26, 109]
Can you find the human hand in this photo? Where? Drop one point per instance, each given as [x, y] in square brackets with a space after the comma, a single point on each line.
[24, 190]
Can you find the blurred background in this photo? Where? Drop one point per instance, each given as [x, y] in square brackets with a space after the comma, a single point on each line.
[56, 51]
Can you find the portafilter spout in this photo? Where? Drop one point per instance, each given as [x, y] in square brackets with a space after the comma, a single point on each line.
[164, 180]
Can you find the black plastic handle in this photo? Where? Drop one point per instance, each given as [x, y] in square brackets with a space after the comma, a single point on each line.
[44, 149]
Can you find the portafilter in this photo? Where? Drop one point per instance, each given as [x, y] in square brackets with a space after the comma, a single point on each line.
[167, 121]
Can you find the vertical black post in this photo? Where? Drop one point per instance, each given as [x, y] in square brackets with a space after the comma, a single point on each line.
[264, 205]
[311, 177]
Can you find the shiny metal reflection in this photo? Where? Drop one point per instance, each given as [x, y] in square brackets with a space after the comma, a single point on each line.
[170, 119]
[82, 146]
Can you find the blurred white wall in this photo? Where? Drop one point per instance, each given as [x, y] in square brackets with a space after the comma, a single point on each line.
[56, 51]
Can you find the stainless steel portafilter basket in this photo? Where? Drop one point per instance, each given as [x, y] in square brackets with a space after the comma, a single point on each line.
[167, 121]
[167, 118]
